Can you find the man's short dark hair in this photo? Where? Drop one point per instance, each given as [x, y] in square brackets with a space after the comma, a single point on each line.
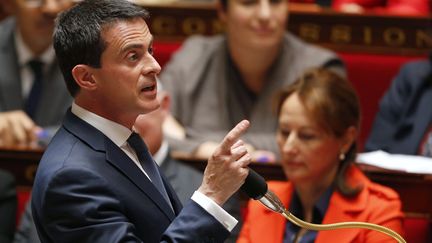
[77, 35]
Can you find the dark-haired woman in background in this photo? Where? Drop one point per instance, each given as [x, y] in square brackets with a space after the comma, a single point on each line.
[319, 116]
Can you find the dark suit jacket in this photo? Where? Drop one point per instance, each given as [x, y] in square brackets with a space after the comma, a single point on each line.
[405, 111]
[185, 180]
[55, 97]
[87, 189]
[8, 205]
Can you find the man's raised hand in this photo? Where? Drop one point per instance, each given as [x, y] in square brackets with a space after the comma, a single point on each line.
[227, 167]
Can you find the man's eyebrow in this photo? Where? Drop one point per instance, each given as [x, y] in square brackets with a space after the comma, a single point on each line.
[135, 46]
[131, 46]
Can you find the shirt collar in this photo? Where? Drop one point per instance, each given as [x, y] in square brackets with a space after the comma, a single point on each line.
[114, 131]
[25, 54]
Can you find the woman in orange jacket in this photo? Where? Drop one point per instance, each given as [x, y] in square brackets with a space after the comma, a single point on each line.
[318, 125]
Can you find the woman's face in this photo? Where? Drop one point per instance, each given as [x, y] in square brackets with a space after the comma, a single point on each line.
[255, 23]
[309, 153]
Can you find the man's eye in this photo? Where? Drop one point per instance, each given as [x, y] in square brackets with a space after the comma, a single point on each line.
[132, 57]
[151, 50]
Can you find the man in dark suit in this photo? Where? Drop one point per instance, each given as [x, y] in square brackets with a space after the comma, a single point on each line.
[96, 181]
[403, 124]
[183, 178]
[8, 205]
[33, 95]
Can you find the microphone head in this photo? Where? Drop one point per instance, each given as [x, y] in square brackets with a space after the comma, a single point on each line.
[254, 186]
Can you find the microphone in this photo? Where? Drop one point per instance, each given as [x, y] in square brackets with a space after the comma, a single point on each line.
[256, 188]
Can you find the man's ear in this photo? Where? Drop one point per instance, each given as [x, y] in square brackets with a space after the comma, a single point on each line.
[83, 75]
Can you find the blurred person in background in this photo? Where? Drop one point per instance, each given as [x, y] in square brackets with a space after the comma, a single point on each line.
[33, 95]
[217, 81]
[28, 68]
[319, 117]
[403, 124]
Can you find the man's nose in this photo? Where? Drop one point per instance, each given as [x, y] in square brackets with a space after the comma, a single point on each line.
[151, 66]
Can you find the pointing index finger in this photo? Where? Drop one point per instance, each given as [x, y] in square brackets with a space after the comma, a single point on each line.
[234, 135]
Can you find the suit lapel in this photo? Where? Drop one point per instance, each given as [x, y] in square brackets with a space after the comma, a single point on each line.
[121, 161]
[116, 157]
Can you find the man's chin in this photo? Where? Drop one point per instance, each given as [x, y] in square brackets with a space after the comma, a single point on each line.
[150, 108]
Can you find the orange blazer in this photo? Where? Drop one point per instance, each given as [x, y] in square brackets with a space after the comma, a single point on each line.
[374, 204]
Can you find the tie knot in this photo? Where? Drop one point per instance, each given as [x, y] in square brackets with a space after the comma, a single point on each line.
[136, 142]
[36, 66]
